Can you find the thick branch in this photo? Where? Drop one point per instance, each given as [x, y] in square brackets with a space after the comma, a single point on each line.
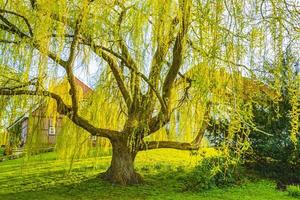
[132, 69]
[118, 76]
[175, 66]
[163, 45]
[135, 80]
[178, 51]
[194, 145]
[157, 122]
[170, 145]
[70, 64]
[64, 109]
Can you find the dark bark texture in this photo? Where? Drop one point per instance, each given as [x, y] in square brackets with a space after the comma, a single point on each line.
[121, 170]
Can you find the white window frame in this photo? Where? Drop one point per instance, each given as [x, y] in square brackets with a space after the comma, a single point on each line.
[51, 128]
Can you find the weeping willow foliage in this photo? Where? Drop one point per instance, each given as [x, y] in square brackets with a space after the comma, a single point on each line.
[223, 54]
[4, 138]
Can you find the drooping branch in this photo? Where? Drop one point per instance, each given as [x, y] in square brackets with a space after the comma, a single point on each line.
[248, 69]
[9, 41]
[11, 28]
[62, 108]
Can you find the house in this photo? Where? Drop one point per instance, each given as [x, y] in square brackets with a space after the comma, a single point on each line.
[36, 121]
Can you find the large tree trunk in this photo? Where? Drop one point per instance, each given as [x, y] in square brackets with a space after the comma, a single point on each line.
[121, 170]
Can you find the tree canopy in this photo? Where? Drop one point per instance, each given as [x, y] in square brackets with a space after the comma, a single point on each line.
[160, 69]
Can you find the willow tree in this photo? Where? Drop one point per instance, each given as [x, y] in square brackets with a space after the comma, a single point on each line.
[163, 64]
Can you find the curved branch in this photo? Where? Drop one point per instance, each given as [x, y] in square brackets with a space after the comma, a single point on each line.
[157, 122]
[65, 110]
[194, 145]
[169, 145]
[162, 48]
[70, 64]
[178, 51]
[118, 76]
[135, 80]
[32, 82]
[8, 26]
[134, 70]
[21, 16]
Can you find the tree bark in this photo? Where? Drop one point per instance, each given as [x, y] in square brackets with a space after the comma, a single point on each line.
[121, 170]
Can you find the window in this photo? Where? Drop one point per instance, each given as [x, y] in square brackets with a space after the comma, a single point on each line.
[51, 130]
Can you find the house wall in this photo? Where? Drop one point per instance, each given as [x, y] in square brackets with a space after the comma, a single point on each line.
[24, 131]
[40, 126]
[35, 129]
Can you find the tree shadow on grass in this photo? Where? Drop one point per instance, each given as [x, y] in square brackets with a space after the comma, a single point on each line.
[159, 180]
[93, 188]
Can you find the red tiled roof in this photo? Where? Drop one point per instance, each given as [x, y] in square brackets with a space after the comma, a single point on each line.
[85, 88]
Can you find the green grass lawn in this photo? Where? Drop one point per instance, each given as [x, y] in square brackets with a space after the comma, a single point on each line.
[44, 177]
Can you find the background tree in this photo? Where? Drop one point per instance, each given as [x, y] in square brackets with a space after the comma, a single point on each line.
[160, 64]
[277, 153]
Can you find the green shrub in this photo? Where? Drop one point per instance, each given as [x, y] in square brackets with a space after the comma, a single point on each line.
[276, 154]
[212, 172]
[294, 191]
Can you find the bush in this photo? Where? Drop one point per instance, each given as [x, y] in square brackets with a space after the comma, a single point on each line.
[294, 191]
[212, 172]
[276, 154]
